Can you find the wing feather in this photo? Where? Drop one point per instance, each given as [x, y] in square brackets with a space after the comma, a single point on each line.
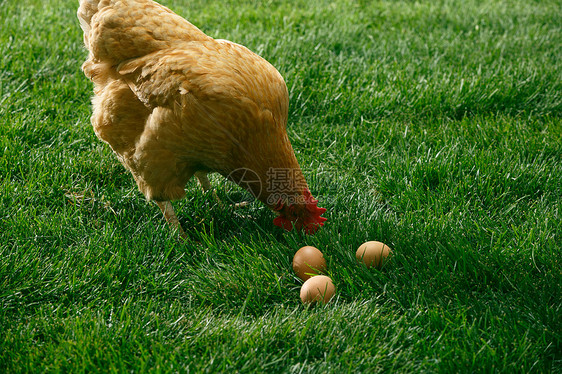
[224, 77]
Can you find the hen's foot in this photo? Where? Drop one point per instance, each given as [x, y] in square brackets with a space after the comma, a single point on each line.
[206, 185]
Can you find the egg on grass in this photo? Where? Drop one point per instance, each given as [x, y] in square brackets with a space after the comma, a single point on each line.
[373, 254]
[319, 288]
[308, 261]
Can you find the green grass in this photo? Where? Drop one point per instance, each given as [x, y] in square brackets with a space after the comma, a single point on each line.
[433, 126]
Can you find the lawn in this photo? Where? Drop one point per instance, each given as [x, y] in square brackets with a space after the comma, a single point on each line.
[433, 126]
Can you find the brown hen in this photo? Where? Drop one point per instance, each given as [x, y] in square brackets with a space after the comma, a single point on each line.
[173, 102]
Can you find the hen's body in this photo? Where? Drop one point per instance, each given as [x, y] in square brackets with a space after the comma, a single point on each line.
[172, 102]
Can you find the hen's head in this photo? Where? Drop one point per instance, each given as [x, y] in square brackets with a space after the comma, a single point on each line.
[301, 214]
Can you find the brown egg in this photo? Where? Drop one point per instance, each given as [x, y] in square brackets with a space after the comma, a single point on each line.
[373, 254]
[319, 288]
[308, 261]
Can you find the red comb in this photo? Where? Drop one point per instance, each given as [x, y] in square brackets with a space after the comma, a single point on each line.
[310, 224]
[283, 222]
[312, 205]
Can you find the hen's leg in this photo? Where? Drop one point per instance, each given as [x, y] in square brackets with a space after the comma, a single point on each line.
[204, 181]
[170, 215]
[206, 185]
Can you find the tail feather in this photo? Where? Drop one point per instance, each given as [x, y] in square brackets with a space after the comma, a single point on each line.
[85, 13]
